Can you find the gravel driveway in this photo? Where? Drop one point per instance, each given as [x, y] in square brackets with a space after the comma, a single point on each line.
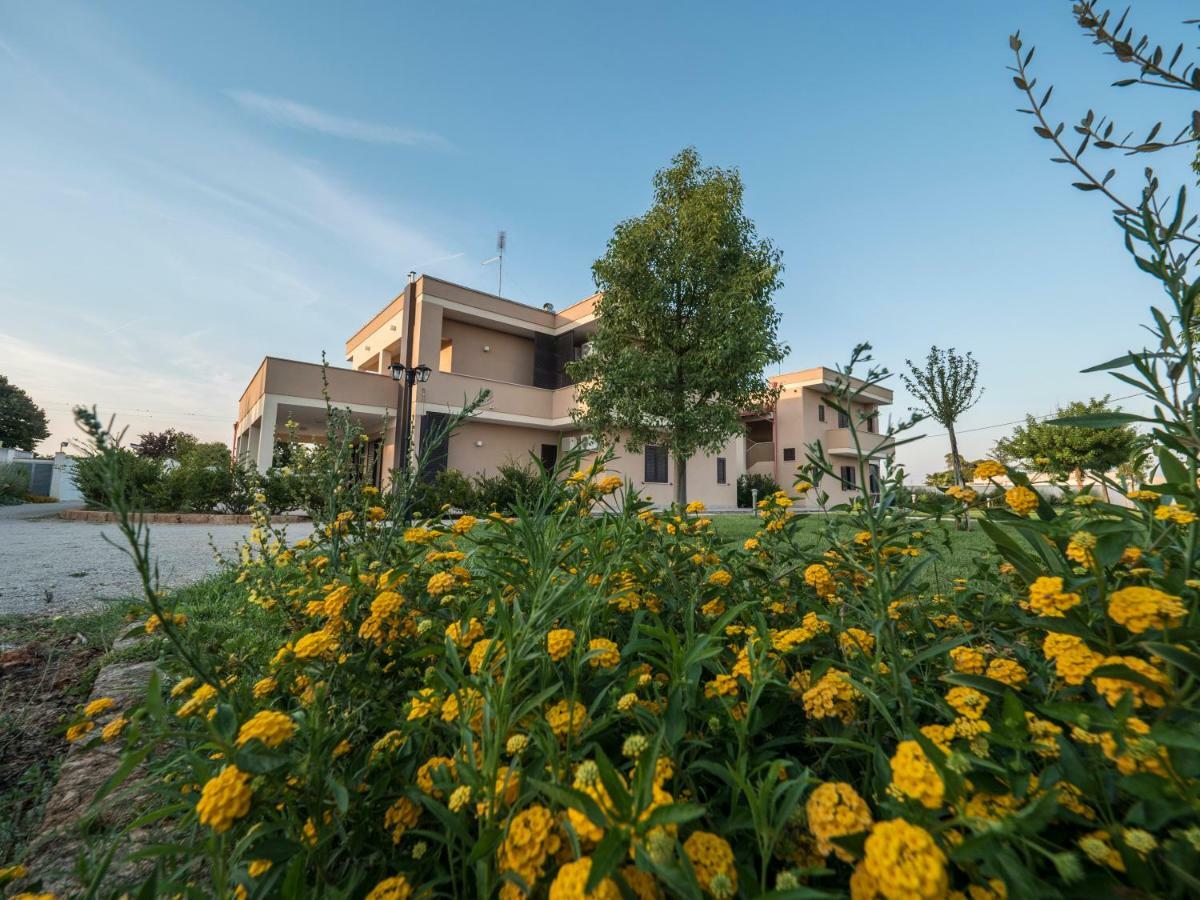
[54, 567]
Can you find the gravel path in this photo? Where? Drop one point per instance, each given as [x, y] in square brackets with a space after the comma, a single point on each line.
[53, 567]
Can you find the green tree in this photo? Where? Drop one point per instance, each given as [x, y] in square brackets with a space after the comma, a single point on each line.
[946, 387]
[169, 444]
[686, 322]
[22, 422]
[1071, 450]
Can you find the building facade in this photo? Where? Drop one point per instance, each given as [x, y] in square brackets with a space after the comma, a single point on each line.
[474, 341]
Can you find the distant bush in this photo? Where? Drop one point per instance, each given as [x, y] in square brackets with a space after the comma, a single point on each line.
[14, 482]
[753, 481]
[140, 479]
[511, 486]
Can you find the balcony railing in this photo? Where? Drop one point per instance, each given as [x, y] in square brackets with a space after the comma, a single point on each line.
[839, 442]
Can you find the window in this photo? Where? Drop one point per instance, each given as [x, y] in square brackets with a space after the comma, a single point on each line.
[789, 454]
[848, 478]
[843, 420]
[820, 412]
[656, 464]
[872, 422]
[721, 470]
[549, 456]
[873, 474]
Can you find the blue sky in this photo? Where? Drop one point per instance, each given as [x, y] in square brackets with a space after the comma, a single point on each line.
[188, 188]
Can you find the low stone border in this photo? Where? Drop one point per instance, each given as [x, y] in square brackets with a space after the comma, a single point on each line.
[100, 515]
[60, 839]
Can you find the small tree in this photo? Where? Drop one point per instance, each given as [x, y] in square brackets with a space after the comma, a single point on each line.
[22, 422]
[945, 387]
[1071, 450]
[169, 444]
[686, 323]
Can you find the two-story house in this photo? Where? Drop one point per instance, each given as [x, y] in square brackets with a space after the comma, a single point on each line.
[473, 341]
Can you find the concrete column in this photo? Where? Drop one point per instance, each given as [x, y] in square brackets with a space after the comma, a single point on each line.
[266, 435]
[382, 361]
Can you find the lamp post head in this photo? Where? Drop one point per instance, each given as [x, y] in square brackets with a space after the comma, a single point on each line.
[423, 373]
[397, 370]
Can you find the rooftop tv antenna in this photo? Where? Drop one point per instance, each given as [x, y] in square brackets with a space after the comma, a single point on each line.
[501, 243]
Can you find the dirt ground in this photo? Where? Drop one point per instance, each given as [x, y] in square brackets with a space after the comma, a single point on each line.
[44, 675]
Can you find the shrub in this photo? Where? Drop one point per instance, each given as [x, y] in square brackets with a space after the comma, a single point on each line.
[752, 481]
[202, 481]
[14, 482]
[513, 485]
[139, 478]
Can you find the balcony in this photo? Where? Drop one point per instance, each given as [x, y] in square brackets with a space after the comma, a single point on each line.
[840, 442]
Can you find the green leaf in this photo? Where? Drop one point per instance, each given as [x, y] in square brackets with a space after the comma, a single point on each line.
[1176, 656]
[611, 850]
[486, 845]
[251, 759]
[673, 814]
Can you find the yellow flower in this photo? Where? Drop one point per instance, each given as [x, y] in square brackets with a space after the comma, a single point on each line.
[1175, 513]
[1021, 500]
[609, 483]
[913, 775]
[271, 727]
[1047, 598]
[464, 638]
[1073, 659]
[967, 701]
[720, 578]
[608, 655]
[750, 545]
[833, 810]
[183, 686]
[902, 861]
[224, 799]
[989, 468]
[200, 700]
[559, 642]
[1099, 849]
[11, 873]
[695, 507]
[315, 644]
[566, 717]
[1008, 671]
[572, 878]
[99, 705]
[712, 861]
[394, 888]
[439, 583]
[440, 767]
[486, 652]
[721, 686]
[855, 640]
[820, 580]
[1142, 608]
[113, 729]
[1113, 689]
[531, 838]
[258, 867]
[967, 660]
[713, 608]
[832, 697]
[1144, 496]
[263, 688]
[79, 729]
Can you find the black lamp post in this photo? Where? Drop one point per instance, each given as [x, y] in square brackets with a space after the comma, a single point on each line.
[406, 377]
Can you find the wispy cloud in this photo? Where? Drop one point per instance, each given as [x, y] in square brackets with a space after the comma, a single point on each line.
[293, 114]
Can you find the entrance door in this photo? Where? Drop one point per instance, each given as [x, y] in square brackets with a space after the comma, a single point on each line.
[549, 456]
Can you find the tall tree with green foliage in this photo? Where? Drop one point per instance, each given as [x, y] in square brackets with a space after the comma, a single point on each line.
[946, 387]
[686, 323]
[1071, 450]
[22, 422]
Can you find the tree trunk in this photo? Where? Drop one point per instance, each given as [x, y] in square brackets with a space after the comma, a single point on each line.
[681, 481]
[963, 521]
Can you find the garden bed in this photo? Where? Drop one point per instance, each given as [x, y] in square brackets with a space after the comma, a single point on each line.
[164, 518]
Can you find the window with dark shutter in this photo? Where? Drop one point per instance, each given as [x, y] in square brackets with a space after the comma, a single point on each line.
[847, 478]
[656, 464]
[843, 420]
[721, 470]
[820, 412]
[789, 454]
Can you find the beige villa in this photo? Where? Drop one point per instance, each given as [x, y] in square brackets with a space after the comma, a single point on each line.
[472, 340]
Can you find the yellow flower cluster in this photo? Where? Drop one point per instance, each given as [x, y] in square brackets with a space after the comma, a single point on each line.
[901, 861]
[712, 860]
[833, 696]
[1144, 608]
[914, 776]
[224, 799]
[1047, 597]
[559, 642]
[270, 727]
[1021, 500]
[834, 809]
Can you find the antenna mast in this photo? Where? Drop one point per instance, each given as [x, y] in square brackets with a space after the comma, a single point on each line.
[501, 243]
